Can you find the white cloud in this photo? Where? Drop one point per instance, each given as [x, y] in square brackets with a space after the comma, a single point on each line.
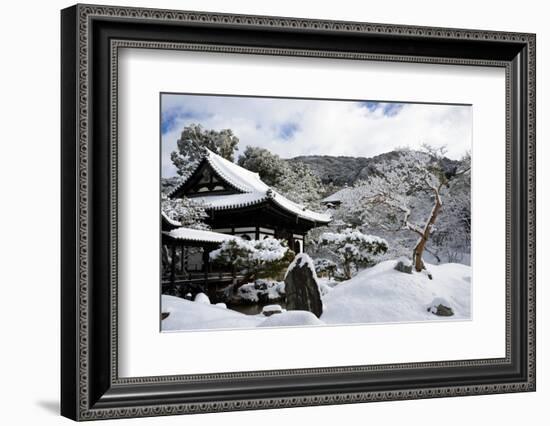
[322, 127]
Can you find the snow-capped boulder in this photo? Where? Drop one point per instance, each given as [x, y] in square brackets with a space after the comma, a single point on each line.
[404, 265]
[221, 305]
[202, 298]
[301, 286]
[269, 310]
[440, 307]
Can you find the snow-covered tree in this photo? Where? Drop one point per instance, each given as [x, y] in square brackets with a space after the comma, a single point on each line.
[388, 199]
[256, 258]
[451, 237]
[300, 184]
[295, 181]
[186, 211]
[167, 185]
[269, 166]
[194, 138]
[353, 248]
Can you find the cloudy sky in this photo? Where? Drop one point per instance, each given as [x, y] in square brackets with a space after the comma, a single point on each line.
[292, 127]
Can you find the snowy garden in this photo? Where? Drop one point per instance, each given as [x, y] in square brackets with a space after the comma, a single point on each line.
[380, 294]
[391, 246]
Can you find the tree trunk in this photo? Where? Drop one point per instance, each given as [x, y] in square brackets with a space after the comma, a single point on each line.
[347, 270]
[421, 245]
[417, 255]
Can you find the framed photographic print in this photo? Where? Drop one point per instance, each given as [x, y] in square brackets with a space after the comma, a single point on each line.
[263, 212]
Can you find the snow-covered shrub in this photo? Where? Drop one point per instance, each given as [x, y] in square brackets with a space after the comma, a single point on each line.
[236, 253]
[325, 267]
[353, 248]
[261, 291]
[257, 258]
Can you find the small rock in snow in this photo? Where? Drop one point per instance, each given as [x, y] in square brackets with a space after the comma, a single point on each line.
[440, 307]
[404, 265]
[269, 310]
[202, 298]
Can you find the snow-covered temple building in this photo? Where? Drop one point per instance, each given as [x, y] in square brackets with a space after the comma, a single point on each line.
[335, 200]
[239, 205]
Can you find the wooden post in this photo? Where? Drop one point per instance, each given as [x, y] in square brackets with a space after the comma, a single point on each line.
[185, 263]
[206, 267]
[173, 268]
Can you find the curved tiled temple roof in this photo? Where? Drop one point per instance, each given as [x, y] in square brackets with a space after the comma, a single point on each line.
[252, 191]
[197, 235]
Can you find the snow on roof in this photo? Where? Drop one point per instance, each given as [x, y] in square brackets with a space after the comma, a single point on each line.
[170, 220]
[220, 202]
[237, 176]
[300, 210]
[338, 196]
[189, 234]
[254, 191]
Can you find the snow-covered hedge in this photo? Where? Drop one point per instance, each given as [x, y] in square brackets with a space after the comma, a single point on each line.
[353, 248]
[258, 258]
[261, 291]
[325, 266]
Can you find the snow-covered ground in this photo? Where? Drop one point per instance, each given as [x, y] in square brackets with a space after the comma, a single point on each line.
[382, 294]
[375, 295]
[187, 315]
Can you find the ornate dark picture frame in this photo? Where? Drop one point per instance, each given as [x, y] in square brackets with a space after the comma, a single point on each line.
[91, 37]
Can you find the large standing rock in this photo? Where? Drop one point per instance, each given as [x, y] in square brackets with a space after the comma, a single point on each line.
[302, 290]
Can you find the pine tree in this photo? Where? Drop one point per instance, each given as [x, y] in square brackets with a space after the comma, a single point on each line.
[295, 181]
[194, 139]
[256, 259]
[353, 248]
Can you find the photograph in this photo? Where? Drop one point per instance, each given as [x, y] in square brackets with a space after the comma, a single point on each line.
[346, 208]
[280, 212]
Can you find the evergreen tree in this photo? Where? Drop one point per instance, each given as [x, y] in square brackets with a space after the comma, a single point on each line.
[295, 181]
[353, 248]
[194, 139]
[256, 259]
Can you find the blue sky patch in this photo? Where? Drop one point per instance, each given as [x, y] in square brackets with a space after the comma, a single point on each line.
[389, 109]
[287, 130]
[392, 109]
[170, 118]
